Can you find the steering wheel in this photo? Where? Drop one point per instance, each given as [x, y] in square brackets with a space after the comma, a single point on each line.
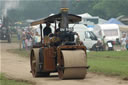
[50, 35]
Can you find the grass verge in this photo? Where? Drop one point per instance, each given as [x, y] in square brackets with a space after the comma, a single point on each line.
[21, 52]
[109, 63]
[14, 38]
[5, 81]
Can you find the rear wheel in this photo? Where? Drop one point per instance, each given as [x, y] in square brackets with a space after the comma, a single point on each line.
[35, 67]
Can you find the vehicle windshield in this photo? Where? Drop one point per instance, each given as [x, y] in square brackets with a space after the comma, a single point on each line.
[112, 32]
[90, 35]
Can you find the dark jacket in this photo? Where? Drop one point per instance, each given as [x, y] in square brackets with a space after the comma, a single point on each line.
[47, 31]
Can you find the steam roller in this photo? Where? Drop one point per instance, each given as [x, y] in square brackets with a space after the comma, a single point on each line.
[61, 51]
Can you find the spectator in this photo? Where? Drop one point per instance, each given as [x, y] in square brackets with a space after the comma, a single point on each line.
[26, 41]
[127, 42]
[32, 35]
[19, 34]
[123, 42]
[99, 46]
[37, 38]
[104, 44]
[23, 39]
[29, 40]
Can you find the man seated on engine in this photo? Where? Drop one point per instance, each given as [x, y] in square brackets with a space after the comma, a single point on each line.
[47, 30]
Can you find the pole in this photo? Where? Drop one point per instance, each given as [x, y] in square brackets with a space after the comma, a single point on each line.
[41, 33]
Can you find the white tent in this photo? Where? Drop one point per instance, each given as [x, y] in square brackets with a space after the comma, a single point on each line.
[88, 16]
[85, 15]
[102, 21]
[123, 28]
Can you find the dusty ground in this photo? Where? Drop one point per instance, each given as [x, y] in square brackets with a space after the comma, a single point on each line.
[17, 67]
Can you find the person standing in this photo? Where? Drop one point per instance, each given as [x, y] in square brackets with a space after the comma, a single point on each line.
[29, 40]
[37, 38]
[23, 39]
[127, 42]
[19, 34]
[104, 44]
[123, 42]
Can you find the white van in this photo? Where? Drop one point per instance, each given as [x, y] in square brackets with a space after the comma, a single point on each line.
[86, 36]
[110, 31]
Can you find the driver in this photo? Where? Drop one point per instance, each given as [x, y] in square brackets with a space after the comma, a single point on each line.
[47, 30]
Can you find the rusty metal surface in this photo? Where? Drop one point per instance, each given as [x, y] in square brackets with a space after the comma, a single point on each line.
[72, 47]
[49, 59]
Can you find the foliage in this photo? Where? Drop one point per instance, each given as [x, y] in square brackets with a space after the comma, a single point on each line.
[31, 9]
[21, 52]
[111, 8]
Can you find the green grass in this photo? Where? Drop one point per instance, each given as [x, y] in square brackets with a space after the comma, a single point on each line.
[21, 52]
[14, 38]
[5, 81]
[109, 63]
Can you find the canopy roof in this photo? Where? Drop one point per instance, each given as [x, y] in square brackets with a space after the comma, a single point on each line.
[71, 17]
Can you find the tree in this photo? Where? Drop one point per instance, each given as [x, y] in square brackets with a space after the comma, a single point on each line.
[111, 8]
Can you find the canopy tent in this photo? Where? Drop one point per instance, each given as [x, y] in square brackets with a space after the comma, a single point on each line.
[123, 28]
[114, 21]
[124, 19]
[102, 21]
[85, 15]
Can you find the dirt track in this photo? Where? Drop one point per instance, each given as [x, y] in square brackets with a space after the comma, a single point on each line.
[17, 67]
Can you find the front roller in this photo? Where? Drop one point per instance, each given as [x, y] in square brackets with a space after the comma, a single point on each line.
[72, 64]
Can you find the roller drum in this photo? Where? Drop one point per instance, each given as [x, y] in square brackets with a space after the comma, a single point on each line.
[74, 64]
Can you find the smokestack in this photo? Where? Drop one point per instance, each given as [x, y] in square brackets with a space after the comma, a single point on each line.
[64, 15]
